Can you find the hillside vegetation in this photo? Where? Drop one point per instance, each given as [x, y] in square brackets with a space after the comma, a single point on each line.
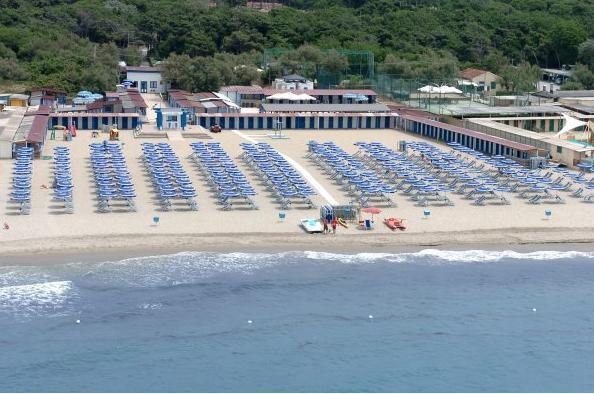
[76, 44]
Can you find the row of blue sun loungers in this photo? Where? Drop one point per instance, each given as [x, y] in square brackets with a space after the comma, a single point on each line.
[363, 184]
[580, 185]
[474, 179]
[281, 179]
[225, 179]
[112, 178]
[21, 179]
[62, 182]
[169, 179]
[411, 178]
[535, 186]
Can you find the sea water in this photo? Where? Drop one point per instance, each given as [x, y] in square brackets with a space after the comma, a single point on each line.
[302, 321]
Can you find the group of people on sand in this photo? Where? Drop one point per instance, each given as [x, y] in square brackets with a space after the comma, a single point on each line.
[333, 222]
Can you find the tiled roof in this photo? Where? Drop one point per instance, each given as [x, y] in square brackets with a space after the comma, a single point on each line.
[38, 129]
[242, 89]
[471, 73]
[197, 100]
[136, 98]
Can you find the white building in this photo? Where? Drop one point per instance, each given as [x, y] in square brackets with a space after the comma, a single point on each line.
[146, 79]
[292, 82]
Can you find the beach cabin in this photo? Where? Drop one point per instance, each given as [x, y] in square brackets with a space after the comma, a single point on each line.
[94, 120]
[299, 121]
[18, 100]
[47, 96]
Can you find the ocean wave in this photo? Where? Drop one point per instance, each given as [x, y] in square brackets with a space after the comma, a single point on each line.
[35, 298]
[189, 268]
[194, 268]
[450, 256]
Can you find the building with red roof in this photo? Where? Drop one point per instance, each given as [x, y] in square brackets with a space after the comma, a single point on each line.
[482, 80]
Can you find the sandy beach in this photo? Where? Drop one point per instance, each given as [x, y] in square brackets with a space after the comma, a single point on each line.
[49, 231]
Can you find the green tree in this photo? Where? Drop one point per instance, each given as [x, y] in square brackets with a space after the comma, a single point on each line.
[243, 41]
[335, 63]
[565, 37]
[582, 77]
[520, 79]
[586, 53]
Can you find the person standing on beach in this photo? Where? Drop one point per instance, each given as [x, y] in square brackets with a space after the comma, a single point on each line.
[334, 224]
[325, 221]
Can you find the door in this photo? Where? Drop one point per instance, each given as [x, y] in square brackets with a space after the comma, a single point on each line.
[143, 87]
[125, 123]
[300, 122]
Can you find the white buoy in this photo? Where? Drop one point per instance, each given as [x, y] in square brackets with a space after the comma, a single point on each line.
[249, 322]
[371, 316]
[77, 321]
[533, 309]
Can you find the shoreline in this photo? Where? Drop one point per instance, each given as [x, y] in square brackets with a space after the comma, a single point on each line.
[95, 248]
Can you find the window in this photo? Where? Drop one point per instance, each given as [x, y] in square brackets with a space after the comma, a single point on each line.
[153, 84]
[559, 149]
[493, 85]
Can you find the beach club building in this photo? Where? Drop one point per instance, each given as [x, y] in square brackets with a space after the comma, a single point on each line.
[146, 79]
[483, 80]
[254, 96]
[51, 97]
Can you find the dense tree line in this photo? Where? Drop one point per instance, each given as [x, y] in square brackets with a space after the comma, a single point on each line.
[76, 43]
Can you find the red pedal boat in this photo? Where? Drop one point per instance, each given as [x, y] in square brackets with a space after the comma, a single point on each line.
[394, 223]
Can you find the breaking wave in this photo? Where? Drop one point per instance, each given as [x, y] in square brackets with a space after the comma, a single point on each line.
[37, 298]
[189, 268]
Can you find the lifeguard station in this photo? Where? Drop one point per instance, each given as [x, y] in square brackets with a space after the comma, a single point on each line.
[171, 119]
